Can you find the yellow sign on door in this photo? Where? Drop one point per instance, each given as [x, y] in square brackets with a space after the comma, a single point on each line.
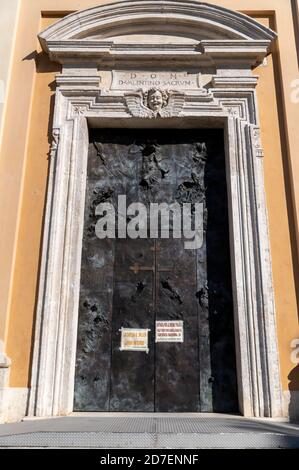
[134, 339]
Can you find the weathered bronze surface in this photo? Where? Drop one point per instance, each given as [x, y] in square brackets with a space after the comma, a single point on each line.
[132, 283]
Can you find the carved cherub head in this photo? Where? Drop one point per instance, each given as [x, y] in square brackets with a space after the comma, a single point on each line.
[155, 99]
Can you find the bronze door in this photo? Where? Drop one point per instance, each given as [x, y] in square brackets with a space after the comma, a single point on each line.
[132, 283]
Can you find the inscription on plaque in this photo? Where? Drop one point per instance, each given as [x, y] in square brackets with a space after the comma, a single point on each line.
[164, 80]
[169, 331]
[133, 339]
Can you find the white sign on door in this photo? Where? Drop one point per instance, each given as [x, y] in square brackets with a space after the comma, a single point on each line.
[170, 331]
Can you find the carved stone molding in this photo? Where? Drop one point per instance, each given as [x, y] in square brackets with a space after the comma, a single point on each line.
[55, 143]
[257, 142]
[5, 364]
[219, 36]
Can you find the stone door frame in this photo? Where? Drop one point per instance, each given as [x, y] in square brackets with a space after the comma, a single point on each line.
[228, 101]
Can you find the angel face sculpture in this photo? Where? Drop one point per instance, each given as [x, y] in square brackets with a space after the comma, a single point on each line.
[154, 103]
[156, 100]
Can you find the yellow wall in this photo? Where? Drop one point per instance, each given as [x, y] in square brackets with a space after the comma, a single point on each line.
[24, 165]
[25, 282]
[279, 209]
[9, 10]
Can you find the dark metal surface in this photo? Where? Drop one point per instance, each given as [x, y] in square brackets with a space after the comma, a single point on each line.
[132, 283]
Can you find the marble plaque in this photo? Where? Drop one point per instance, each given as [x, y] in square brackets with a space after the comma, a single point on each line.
[129, 80]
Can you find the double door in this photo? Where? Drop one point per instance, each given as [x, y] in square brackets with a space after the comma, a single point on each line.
[135, 282]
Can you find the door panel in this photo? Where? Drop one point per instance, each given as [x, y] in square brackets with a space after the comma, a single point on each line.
[132, 373]
[128, 283]
[177, 364]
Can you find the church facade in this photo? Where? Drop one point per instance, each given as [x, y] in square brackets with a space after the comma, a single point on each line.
[149, 205]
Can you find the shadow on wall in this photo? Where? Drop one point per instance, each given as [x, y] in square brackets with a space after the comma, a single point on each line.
[294, 394]
[44, 65]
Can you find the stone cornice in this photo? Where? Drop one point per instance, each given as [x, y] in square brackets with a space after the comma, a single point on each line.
[215, 34]
[204, 53]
